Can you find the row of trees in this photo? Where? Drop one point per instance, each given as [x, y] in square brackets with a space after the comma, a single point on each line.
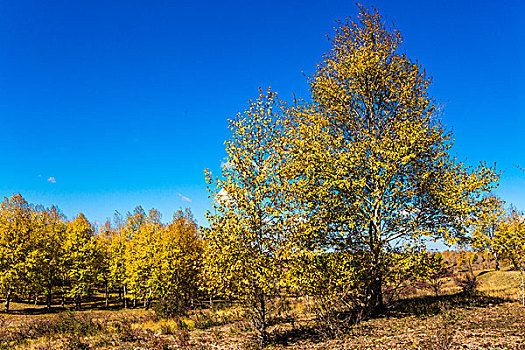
[139, 257]
[335, 196]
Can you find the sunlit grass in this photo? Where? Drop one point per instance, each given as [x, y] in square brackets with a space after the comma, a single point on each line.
[293, 326]
[503, 283]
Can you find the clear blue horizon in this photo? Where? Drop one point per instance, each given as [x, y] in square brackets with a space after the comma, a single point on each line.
[108, 105]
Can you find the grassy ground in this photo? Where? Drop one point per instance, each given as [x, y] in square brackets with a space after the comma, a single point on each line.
[492, 321]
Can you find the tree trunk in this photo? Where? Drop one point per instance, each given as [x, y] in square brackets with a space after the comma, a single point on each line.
[497, 261]
[375, 295]
[374, 304]
[7, 301]
[374, 292]
[125, 297]
[48, 298]
[148, 300]
[63, 293]
[262, 321]
[307, 303]
[106, 294]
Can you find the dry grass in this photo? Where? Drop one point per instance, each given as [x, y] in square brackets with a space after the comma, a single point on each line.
[495, 327]
[490, 321]
[504, 284]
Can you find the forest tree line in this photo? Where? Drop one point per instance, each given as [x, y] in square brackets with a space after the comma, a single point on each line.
[136, 256]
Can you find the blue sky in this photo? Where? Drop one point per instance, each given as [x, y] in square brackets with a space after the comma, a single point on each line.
[105, 105]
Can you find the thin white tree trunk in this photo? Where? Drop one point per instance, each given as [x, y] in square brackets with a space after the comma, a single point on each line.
[7, 301]
[307, 302]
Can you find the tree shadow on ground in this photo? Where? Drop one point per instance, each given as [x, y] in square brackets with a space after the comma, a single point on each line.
[417, 306]
[89, 304]
[29, 311]
[318, 330]
[311, 333]
[433, 305]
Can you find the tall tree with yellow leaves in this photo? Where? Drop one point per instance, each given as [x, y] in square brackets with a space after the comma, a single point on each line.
[247, 239]
[143, 232]
[107, 241]
[50, 262]
[117, 241]
[372, 159]
[83, 258]
[17, 237]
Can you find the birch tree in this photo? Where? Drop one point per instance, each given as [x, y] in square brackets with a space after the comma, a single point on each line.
[373, 160]
[246, 242]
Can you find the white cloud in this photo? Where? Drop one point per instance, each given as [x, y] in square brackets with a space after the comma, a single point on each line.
[184, 198]
[225, 164]
[223, 196]
[52, 180]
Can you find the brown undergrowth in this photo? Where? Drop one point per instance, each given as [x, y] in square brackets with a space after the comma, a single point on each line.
[451, 322]
[490, 319]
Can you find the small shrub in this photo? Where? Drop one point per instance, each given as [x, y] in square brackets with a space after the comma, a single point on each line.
[468, 284]
[166, 329]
